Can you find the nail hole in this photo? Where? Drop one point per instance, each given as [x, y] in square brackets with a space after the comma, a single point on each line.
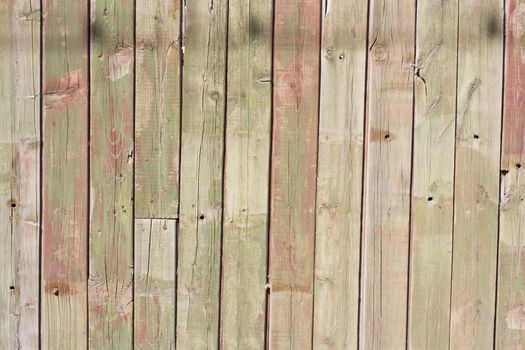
[341, 57]
[518, 165]
[201, 217]
[56, 291]
[476, 136]
[387, 136]
[430, 199]
[13, 205]
[504, 172]
[11, 287]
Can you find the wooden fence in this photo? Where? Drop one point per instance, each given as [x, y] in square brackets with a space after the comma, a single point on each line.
[250, 174]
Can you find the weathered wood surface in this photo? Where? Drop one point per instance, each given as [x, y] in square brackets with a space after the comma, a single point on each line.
[111, 175]
[19, 174]
[478, 133]
[340, 174]
[65, 174]
[202, 133]
[433, 175]
[246, 175]
[510, 320]
[293, 174]
[155, 249]
[387, 177]
[157, 110]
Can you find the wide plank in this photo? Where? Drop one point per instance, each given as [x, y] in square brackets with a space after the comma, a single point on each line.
[65, 174]
[478, 133]
[340, 174]
[387, 175]
[293, 174]
[111, 175]
[202, 153]
[246, 182]
[432, 216]
[19, 174]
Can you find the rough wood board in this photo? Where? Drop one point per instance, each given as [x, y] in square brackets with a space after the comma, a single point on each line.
[433, 174]
[480, 63]
[155, 258]
[157, 109]
[339, 180]
[293, 176]
[510, 322]
[199, 241]
[246, 182]
[387, 175]
[65, 174]
[19, 173]
[111, 177]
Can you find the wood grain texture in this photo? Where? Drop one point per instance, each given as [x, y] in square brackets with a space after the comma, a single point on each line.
[433, 174]
[246, 182]
[202, 130]
[340, 174]
[155, 250]
[293, 174]
[480, 63]
[157, 108]
[65, 174]
[19, 173]
[387, 175]
[111, 176]
[510, 322]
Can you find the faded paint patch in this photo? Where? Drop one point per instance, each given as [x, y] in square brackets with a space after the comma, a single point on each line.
[120, 63]
[515, 318]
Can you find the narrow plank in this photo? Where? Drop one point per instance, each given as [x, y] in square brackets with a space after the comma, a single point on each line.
[293, 180]
[387, 175]
[340, 174]
[19, 173]
[65, 174]
[510, 322]
[155, 258]
[246, 182]
[202, 132]
[480, 65]
[433, 175]
[111, 175]
[157, 108]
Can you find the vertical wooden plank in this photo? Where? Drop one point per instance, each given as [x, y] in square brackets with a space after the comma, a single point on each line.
[157, 109]
[199, 241]
[480, 53]
[65, 174]
[387, 175]
[245, 230]
[433, 175]
[510, 324]
[155, 284]
[19, 173]
[293, 179]
[111, 177]
[339, 181]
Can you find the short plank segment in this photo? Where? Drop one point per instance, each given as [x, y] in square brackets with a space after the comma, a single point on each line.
[433, 175]
[246, 183]
[387, 175]
[202, 132]
[510, 322]
[157, 109]
[19, 173]
[480, 63]
[155, 251]
[339, 182]
[65, 174]
[293, 179]
[111, 226]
